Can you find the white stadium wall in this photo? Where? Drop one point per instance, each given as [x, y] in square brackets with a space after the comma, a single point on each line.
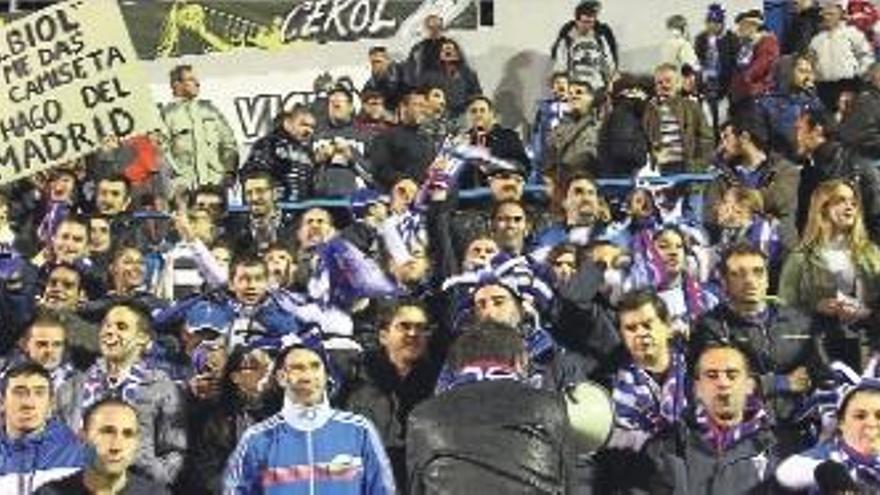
[512, 57]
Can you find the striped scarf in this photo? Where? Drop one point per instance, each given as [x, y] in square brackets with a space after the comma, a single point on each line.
[344, 274]
[755, 419]
[863, 468]
[98, 386]
[643, 404]
[763, 233]
[480, 371]
[57, 212]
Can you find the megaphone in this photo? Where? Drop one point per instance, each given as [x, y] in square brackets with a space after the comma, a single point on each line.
[590, 415]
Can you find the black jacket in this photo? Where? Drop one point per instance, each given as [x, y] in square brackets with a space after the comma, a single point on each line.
[833, 160]
[681, 462]
[215, 431]
[804, 25]
[861, 128]
[492, 437]
[727, 50]
[460, 85]
[585, 323]
[75, 485]
[502, 143]
[289, 161]
[777, 346]
[623, 144]
[401, 152]
[386, 399]
[242, 234]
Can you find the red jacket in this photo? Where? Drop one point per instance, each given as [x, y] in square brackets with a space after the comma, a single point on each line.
[757, 78]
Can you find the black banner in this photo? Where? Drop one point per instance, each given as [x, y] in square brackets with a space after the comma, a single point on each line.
[160, 29]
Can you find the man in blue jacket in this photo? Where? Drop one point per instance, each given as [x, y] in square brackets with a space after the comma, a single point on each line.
[308, 447]
[35, 448]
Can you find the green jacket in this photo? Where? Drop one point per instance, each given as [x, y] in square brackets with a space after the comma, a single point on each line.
[200, 141]
[806, 279]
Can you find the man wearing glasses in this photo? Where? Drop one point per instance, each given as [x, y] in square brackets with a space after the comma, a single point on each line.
[394, 378]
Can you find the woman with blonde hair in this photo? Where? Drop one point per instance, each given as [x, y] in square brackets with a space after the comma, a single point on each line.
[835, 271]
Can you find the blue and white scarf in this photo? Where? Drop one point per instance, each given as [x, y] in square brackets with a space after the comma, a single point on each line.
[755, 419]
[863, 468]
[643, 404]
[344, 274]
[98, 386]
[475, 372]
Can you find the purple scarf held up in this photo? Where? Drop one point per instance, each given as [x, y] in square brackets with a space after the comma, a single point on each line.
[344, 274]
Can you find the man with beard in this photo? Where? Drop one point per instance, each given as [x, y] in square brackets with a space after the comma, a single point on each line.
[511, 227]
[122, 372]
[779, 339]
[265, 223]
[287, 154]
[723, 442]
[747, 161]
[113, 200]
[393, 379]
[579, 205]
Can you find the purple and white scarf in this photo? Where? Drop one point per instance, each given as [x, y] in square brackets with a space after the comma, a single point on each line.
[480, 371]
[643, 404]
[864, 468]
[99, 386]
[755, 419]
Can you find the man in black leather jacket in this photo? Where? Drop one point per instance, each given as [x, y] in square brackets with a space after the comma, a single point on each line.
[490, 431]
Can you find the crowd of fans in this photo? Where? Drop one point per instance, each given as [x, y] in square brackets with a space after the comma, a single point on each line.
[408, 294]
